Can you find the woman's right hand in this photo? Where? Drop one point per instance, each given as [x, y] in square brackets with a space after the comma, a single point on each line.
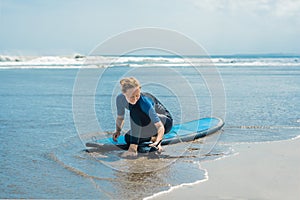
[116, 135]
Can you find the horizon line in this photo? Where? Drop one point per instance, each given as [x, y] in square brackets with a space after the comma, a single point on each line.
[167, 55]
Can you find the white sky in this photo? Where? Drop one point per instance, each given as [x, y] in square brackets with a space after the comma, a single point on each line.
[220, 26]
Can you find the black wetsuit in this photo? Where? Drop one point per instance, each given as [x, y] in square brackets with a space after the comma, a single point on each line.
[147, 111]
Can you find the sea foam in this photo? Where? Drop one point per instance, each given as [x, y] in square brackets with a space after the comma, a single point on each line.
[143, 61]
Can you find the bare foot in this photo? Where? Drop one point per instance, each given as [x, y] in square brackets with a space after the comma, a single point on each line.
[130, 154]
[132, 151]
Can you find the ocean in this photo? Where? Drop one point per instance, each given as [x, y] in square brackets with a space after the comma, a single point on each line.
[50, 106]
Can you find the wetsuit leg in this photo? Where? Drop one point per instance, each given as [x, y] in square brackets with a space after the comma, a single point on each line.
[167, 122]
[129, 139]
[141, 127]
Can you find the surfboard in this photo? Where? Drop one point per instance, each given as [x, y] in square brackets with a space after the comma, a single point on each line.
[183, 132]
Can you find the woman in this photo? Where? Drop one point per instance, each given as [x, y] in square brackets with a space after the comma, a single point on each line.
[149, 119]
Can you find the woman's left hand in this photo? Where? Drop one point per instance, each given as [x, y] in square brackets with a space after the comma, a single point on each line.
[157, 145]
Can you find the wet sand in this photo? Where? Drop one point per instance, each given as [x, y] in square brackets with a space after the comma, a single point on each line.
[258, 171]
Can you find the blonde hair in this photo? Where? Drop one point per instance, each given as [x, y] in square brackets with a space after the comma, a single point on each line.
[129, 83]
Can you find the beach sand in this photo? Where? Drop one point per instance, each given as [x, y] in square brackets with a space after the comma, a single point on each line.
[259, 171]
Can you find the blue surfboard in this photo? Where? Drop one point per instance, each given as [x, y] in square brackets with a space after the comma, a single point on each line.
[184, 132]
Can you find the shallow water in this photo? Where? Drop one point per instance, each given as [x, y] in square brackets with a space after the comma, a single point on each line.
[42, 152]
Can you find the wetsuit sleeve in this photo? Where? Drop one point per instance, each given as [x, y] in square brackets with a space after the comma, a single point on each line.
[153, 115]
[121, 104]
[148, 108]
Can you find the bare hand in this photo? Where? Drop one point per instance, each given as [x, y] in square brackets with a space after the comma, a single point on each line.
[157, 145]
[115, 136]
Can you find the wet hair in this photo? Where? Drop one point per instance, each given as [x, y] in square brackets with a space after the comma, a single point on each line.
[129, 83]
